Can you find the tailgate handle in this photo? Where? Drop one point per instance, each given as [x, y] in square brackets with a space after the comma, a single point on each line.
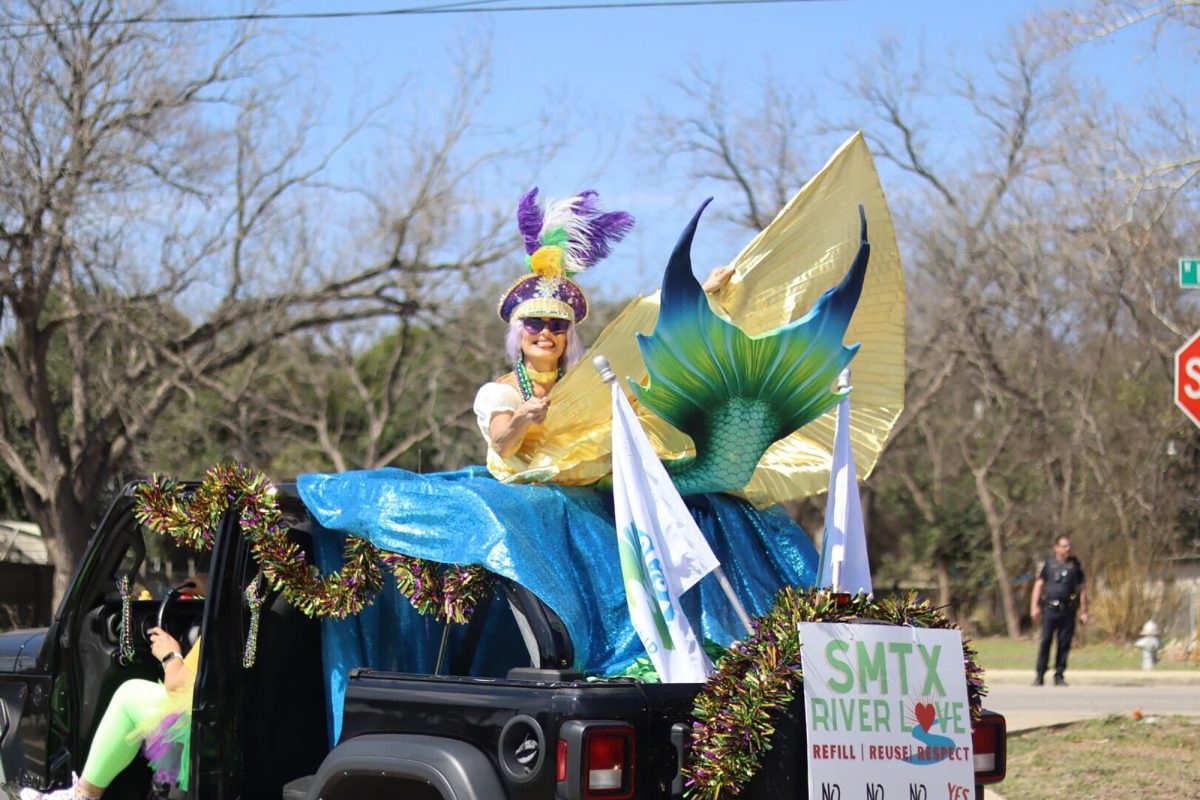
[680, 739]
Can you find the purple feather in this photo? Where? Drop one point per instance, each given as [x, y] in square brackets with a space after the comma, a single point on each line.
[529, 220]
[587, 203]
[605, 230]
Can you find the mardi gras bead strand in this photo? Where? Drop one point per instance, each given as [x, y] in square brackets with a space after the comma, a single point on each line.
[524, 382]
[126, 625]
[255, 601]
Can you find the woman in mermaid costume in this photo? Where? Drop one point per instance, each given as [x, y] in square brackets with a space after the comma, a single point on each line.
[721, 393]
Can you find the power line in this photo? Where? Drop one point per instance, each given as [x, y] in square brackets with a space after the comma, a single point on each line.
[466, 7]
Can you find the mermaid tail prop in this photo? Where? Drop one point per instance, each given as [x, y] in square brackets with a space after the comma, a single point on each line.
[735, 394]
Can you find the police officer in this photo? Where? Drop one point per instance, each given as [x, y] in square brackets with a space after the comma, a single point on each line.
[1059, 591]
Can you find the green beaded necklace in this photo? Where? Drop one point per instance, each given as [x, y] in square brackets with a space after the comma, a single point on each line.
[524, 381]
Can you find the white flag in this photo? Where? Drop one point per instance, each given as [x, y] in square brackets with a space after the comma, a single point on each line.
[844, 564]
[663, 552]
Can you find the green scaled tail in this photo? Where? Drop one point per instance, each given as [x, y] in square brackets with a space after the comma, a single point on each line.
[734, 394]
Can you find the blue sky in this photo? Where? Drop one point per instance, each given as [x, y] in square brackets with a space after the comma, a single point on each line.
[597, 73]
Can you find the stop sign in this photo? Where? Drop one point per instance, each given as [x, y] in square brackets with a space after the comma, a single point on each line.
[1187, 378]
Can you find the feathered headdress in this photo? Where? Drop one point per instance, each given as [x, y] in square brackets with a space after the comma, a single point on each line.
[564, 239]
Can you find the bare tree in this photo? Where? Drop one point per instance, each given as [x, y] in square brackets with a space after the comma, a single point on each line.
[1040, 221]
[403, 401]
[398, 390]
[1099, 19]
[755, 153]
[162, 222]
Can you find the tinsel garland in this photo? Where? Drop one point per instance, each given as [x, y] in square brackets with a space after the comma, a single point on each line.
[754, 683]
[448, 591]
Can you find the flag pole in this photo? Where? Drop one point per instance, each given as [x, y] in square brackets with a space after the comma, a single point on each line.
[833, 556]
[738, 608]
[609, 377]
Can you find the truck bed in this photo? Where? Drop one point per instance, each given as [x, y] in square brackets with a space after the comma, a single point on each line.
[477, 711]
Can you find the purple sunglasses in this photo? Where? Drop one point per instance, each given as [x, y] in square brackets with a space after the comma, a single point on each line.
[535, 325]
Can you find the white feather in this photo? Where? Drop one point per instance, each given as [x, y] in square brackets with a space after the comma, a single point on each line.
[560, 214]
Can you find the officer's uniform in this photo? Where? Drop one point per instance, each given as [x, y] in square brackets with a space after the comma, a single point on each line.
[1060, 599]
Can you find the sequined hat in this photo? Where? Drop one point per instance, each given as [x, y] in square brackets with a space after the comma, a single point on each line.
[564, 239]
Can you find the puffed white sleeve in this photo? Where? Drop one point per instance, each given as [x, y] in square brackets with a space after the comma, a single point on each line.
[491, 399]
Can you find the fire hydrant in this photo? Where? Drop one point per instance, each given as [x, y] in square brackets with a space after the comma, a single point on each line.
[1150, 643]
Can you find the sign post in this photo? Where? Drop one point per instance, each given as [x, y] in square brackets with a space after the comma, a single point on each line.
[1187, 378]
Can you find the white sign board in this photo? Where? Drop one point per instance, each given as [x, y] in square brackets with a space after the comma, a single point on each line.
[886, 713]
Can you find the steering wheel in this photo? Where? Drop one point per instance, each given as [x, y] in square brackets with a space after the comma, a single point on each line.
[161, 617]
[148, 624]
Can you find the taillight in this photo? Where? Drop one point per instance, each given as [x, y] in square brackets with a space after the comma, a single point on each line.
[988, 741]
[606, 762]
[595, 760]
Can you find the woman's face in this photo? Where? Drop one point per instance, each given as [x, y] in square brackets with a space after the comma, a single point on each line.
[544, 340]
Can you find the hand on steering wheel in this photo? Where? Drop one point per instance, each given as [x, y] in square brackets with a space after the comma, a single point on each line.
[195, 586]
[162, 643]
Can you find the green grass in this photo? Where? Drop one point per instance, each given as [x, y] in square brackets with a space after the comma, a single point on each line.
[1106, 758]
[1003, 653]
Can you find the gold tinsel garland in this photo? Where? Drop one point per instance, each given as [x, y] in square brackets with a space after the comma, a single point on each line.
[734, 715]
[447, 591]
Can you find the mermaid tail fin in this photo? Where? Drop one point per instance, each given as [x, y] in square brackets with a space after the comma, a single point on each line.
[736, 394]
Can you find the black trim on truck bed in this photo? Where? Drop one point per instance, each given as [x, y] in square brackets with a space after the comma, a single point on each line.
[384, 765]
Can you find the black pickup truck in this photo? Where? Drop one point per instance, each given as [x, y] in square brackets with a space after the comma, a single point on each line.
[527, 726]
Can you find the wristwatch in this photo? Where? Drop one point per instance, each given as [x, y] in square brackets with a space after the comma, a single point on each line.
[169, 656]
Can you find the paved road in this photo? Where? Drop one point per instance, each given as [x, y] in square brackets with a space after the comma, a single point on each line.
[1030, 706]
[1091, 693]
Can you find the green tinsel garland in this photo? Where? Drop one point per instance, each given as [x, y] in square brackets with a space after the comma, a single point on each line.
[754, 683]
[450, 592]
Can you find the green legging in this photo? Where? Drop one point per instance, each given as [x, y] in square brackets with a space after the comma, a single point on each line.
[113, 746]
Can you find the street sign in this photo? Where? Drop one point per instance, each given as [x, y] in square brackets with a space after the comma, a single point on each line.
[1189, 273]
[1187, 378]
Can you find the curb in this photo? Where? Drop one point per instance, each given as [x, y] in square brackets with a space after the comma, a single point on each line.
[1049, 726]
[1098, 677]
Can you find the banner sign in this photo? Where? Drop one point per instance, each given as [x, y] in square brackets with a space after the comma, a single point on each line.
[886, 713]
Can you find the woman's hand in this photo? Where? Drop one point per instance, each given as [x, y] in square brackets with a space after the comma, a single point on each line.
[534, 409]
[195, 586]
[162, 643]
[508, 430]
[717, 279]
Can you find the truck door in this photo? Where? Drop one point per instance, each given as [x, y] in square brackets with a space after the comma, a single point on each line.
[254, 729]
[217, 718]
[89, 651]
